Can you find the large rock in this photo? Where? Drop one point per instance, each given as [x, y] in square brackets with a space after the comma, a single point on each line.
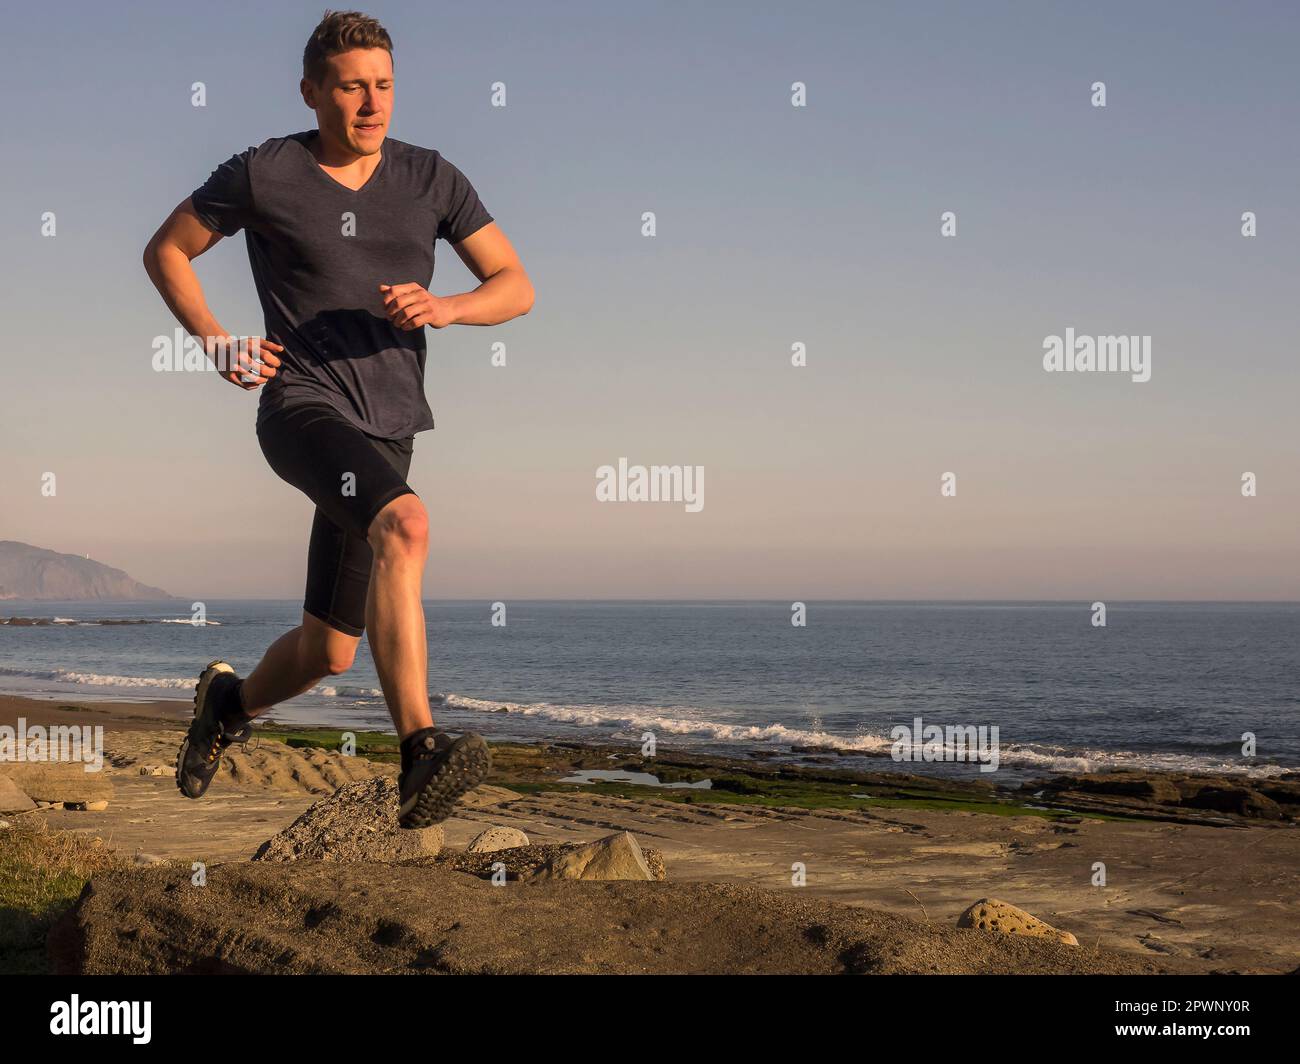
[357, 822]
[327, 917]
[613, 857]
[1151, 788]
[1239, 800]
[59, 782]
[990, 914]
[13, 799]
[1281, 791]
[1179, 797]
[494, 839]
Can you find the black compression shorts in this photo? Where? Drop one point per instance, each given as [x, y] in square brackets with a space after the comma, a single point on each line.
[350, 476]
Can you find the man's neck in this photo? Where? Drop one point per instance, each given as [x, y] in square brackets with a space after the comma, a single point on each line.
[343, 163]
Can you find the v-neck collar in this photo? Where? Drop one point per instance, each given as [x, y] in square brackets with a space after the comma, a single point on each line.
[305, 139]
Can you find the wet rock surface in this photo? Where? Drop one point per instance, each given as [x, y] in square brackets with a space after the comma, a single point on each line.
[1173, 796]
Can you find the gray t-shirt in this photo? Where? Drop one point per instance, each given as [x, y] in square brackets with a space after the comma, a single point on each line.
[319, 252]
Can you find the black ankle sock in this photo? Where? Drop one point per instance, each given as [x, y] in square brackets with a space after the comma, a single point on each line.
[408, 745]
[230, 707]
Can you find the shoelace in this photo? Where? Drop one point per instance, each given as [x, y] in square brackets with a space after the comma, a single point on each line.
[222, 739]
[441, 741]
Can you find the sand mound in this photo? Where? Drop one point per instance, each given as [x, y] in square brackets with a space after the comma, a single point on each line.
[266, 764]
[278, 767]
[358, 822]
[326, 917]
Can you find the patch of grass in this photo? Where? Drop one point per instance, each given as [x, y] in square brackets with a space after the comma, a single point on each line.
[531, 768]
[376, 746]
[41, 875]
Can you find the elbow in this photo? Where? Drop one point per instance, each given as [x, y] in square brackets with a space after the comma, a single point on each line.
[526, 298]
[150, 257]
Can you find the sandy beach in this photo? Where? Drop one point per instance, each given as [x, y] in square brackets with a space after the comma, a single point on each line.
[1189, 896]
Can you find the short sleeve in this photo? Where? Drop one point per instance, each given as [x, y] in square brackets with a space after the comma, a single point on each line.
[461, 213]
[224, 202]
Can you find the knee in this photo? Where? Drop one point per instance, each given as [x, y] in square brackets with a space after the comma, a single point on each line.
[402, 529]
[336, 662]
[330, 657]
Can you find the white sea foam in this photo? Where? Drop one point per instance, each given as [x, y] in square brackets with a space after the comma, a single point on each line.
[126, 622]
[94, 679]
[347, 692]
[692, 725]
[682, 722]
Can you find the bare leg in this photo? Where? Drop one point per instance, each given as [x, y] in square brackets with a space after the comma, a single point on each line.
[297, 662]
[399, 536]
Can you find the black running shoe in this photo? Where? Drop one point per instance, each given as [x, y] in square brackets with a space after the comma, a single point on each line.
[442, 770]
[207, 739]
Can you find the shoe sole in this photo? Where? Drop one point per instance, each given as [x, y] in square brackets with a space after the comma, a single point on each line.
[213, 670]
[468, 764]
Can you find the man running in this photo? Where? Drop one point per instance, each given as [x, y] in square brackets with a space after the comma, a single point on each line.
[340, 225]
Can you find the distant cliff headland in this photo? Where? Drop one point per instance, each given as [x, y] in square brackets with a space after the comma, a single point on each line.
[28, 572]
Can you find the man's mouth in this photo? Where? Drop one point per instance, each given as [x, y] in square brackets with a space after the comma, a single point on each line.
[369, 127]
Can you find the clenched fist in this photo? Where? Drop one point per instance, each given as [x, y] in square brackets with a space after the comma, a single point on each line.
[412, 306]
[246, 361]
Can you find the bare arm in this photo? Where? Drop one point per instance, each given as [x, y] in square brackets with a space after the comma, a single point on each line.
[505, 291]
[167, 260]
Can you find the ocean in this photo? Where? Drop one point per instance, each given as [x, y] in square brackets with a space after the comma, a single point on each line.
[1163, 685]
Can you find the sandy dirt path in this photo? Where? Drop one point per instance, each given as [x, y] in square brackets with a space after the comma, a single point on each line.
[1225, 897]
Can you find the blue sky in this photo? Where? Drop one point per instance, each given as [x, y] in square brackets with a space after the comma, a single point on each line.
[775, 225]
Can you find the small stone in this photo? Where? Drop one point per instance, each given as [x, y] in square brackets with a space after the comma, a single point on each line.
[147, 859]
[613, 857]
[497, 838]
[13, 799]
[990, 914]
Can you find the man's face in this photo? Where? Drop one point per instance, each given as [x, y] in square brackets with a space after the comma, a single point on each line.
[354, 101]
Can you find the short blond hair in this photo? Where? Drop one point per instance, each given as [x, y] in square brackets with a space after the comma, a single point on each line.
[341, 31]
